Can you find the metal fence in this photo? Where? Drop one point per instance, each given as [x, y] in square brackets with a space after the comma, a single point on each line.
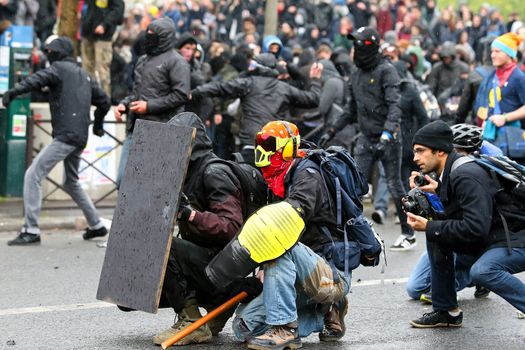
[32, 151]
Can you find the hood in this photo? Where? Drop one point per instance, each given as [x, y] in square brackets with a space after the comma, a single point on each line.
[165, 29]
[184, 39]
[448, 50]
[62, 46]
[266, 59]
[269, 40]
[266, 64]
[202, 145]
[329, 70]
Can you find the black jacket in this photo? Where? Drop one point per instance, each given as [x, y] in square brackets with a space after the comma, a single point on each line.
[162, 80]
[374, 100]
[306, 189]
[264, 98]
[71, 94]
[110, 17]
[472, 223]
[213, 190]
[414, 116]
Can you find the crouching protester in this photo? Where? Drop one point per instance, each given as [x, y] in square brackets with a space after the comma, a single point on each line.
[470, 225]
[210, 217]
[303, 293]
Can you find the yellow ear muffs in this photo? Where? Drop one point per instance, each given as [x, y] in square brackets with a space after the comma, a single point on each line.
[289, 151]
[291, 148]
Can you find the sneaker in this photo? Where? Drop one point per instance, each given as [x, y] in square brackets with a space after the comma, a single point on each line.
[276, 338]
[481, 292]
[438, 318]
[334, 322]
[88, 233]
[379, 216]
[25, 238]
[426, 298]
[404, 243]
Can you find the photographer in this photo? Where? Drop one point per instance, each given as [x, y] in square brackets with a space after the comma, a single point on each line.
[467, 139]
[470, 225]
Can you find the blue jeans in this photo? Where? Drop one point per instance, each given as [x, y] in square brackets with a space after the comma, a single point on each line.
[381, 195]
[295, 285]
[420, 279]
[494, 270]
[124, 158]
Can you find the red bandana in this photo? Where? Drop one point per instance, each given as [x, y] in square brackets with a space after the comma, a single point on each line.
[275, 172]
[503, 73]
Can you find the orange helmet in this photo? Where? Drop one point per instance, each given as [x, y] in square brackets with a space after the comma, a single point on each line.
[276, 136]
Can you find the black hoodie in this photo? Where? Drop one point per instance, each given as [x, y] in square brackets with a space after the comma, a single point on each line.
[162, 80]
[71, 94]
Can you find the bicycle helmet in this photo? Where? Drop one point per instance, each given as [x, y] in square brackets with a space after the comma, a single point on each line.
[467, 136]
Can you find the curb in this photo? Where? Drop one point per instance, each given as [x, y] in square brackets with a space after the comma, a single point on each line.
[50, 224]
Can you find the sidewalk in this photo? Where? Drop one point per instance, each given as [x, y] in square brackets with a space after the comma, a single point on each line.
[54, 215]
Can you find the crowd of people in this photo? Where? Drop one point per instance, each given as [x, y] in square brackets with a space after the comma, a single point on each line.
[383, 79]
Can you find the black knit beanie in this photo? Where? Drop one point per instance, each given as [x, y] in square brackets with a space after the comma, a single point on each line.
[436, 135]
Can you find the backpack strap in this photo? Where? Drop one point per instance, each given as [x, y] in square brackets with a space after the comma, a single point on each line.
[335, 272]
[494, 177]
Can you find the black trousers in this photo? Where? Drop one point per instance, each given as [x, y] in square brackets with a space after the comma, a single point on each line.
[185, 278]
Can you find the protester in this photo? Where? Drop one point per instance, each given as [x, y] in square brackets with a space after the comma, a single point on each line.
[99, 23]
[158, 93]
[378, 114]
[263, 97]
[208, 220]
[71, 94]
[300, 288]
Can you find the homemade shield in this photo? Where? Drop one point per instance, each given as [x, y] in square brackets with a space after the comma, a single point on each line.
[142, 229]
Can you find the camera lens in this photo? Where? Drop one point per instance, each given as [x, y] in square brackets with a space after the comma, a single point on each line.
[420, 180]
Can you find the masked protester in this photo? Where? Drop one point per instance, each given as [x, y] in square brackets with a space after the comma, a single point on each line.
[301, 291]
[263, 97]
[208, 219]
[161, 85]
[71, 94]
[375, 104]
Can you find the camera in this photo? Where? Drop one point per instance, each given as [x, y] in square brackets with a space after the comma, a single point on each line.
[420, 179]
[418, 202]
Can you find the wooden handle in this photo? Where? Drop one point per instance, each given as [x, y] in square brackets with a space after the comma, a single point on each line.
[210, 315]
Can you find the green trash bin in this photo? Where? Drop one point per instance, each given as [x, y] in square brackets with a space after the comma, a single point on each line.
[16, 43]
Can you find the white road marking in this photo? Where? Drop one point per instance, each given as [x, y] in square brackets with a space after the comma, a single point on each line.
[102, 305]
[54, 308]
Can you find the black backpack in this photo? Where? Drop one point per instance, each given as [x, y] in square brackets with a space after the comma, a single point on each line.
[254, 188]
[510, 179]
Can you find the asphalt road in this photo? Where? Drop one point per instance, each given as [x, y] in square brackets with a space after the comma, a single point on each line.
[47, 301]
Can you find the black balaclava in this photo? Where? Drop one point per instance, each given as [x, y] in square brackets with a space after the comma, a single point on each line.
[151, 43]
[162, 37]
[59, 49]
[366, 57]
